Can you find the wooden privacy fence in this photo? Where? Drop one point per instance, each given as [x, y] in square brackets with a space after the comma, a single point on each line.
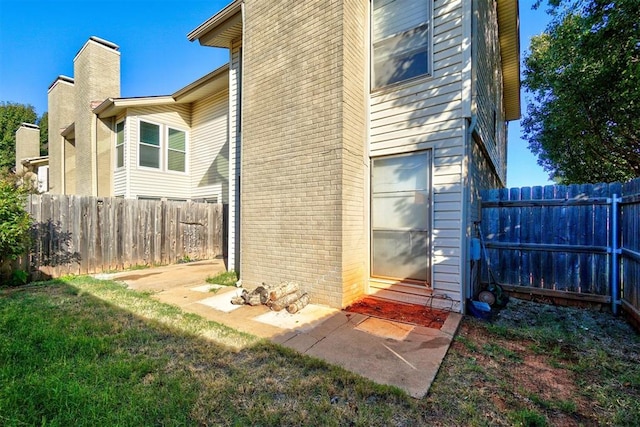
[86, 235]
[576, 241]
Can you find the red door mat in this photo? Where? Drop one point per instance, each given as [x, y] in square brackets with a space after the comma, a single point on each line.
[399, 312]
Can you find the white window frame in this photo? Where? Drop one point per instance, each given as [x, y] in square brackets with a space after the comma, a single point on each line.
[121, 145]
[167, 149]
[429, 212]
[163, 147]
[159, 146]
[429, 48]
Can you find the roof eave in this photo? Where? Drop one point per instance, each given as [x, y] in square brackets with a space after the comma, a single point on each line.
[219, 30]
[113, 106]
[183, 93]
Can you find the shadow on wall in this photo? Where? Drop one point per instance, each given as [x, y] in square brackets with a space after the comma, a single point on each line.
[51, 246]
[218, 172]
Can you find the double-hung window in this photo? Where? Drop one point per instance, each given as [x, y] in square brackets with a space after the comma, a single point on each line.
[149, 156]
[400, 40]
[120, 144]
[176, 150]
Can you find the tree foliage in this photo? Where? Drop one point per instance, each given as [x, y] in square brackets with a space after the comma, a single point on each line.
[583, 73]
[12, 115]
[43, 122]
[15, 222]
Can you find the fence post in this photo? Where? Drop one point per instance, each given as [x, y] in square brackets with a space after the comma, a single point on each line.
[615, 251]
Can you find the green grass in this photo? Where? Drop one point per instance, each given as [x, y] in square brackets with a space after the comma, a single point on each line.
[85, 352]
[226, 278]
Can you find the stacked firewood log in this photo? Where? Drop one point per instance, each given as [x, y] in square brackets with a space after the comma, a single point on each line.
[286, 295]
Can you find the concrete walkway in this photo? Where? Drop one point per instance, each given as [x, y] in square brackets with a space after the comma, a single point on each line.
[387, 352]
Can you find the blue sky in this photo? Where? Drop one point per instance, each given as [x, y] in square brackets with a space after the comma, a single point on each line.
[39, 38]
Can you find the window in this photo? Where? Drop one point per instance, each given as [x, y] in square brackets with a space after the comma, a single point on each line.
[120, 144]
[400, 217]
[400, 40]
[176, 150]
[149, 155]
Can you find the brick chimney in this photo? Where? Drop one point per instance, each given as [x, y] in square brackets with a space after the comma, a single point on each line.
[61, 115]
[27, 143]
[96, 70]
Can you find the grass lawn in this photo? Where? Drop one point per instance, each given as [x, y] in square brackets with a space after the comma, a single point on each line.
[84, 352]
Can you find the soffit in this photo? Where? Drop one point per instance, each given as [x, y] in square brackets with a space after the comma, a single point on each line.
[509, 38]
[222, 28]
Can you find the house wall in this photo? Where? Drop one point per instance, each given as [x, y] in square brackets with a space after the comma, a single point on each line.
[96, 70]
[481, 176]
[303, 144]
[427, 114]
[488, 86]
[61, 110]
[209, 155]
[148, 182]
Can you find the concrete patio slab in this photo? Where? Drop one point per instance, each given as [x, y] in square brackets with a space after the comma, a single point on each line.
[305, 320]
[387, 352]
[220, 302]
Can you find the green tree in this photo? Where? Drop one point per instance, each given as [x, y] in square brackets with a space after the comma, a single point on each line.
[43, 122]
[583, 72]
[12, 115]
[15, 224]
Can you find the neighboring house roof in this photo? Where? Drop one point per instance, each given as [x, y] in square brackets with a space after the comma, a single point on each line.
[113, 106]
[213, 82]
[509, 36]
[222, 28]
[36, 161]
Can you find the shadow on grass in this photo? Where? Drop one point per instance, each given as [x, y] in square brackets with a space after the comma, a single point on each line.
[70, 357]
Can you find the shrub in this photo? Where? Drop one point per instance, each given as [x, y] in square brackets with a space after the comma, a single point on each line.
[14, 225]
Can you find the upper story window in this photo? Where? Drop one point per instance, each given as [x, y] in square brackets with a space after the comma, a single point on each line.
[149, 145]
[162, 147]
[120, 144]
[400, 40]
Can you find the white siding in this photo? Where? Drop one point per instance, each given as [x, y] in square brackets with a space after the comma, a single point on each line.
[427, 114]
[488, 87]
[120, 176]
[209, 154]
[150, 182]
[235, 140]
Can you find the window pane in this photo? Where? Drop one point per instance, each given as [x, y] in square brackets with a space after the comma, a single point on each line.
[149, 133]
[396, 16]
[149, 156]
[401, 173]
[120, 156]
[400, 254]
[177, 140]
[408, 211]
[176, 161]
[120, 133]
[396, 69]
